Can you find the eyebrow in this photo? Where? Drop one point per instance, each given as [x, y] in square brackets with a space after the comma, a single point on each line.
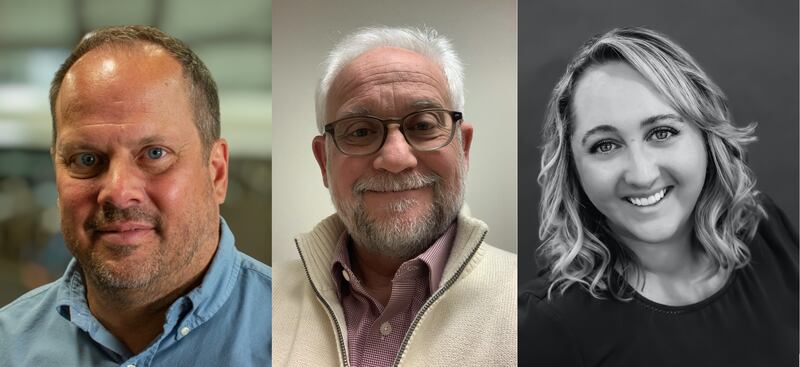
[426, 103]
[86, 145]
[648, 121]
[420, 104]
[353, 112]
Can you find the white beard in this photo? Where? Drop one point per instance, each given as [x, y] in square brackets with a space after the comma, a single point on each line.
[401, 236]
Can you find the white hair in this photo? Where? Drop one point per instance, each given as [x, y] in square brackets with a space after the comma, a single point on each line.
[426, 42]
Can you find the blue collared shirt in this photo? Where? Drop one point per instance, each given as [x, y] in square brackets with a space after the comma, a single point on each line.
[226, 321]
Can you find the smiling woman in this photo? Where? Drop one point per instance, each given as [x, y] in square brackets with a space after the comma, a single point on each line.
[654, 236]
[641, 166]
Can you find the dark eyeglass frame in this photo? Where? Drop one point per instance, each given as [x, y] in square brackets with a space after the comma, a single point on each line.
[457, 117]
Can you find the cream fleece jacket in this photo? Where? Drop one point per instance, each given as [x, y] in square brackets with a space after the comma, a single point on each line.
[471, 320]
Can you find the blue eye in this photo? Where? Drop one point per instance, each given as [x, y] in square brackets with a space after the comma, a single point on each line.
[155, 153]
[87, 159]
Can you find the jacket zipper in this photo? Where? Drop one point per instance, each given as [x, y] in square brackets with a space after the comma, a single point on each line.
[342, 348]
[433, 299]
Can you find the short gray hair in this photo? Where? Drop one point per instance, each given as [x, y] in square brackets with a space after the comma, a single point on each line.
[426, 42]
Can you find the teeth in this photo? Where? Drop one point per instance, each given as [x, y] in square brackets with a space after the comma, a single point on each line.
[650, 200]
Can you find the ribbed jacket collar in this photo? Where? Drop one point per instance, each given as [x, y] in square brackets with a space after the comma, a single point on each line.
[318, 246]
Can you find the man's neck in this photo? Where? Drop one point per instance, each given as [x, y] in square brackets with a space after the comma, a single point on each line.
[375, 271]
[136, 316]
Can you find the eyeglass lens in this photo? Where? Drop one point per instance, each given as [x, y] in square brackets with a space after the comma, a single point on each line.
[424, 130]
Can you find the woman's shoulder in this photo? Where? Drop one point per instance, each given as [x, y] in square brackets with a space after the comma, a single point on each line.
[540, 302]
[773, 266]
[776, 234]
[545, 334]
[561, 328]
[540, 296]
[776, 223]
[540, 293]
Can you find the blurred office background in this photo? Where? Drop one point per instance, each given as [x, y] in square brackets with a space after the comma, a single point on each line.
[233, 39]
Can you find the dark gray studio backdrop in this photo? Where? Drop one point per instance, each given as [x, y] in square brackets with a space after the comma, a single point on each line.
[749, 48]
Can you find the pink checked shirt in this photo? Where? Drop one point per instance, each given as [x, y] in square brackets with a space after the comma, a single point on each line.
[375, 332]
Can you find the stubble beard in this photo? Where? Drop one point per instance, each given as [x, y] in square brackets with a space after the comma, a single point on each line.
[402, 237]
[111, 274]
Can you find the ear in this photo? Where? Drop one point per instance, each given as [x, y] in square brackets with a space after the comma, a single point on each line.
[318, 147]
[466, 140]
[218, 169]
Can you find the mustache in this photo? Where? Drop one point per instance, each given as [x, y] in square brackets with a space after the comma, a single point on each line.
[391, 182]
[110, 214]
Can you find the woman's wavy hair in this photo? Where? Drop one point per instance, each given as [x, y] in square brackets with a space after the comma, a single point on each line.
[577, 245]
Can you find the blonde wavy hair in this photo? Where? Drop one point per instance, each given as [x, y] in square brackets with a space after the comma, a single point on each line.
[577, 245]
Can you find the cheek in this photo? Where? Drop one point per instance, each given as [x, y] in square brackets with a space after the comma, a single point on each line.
[77, 199]
[444, 162]
[598, 180]
[166, 190]
[690, 162]
[179, 190]
[343, 173]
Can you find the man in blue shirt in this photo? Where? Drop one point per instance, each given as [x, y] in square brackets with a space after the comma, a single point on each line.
[141, 171]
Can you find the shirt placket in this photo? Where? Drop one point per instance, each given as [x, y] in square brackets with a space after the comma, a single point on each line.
[381, 329]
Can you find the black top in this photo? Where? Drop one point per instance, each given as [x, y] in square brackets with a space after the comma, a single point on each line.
[751, 321]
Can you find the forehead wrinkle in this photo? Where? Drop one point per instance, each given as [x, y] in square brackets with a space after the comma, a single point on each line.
[80, 108]
[373, 81]
[395, 86]
[370, 80]
[110, 68]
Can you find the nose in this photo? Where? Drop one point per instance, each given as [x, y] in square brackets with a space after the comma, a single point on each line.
[396, 155]
[122, 185]
[642, 170]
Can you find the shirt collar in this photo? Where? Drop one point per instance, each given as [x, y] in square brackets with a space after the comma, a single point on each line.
[220, 279]
[434, 258]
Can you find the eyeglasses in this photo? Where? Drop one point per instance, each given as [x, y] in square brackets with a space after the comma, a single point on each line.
[424, 130]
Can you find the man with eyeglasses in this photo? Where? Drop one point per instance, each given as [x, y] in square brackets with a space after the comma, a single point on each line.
[400, 275]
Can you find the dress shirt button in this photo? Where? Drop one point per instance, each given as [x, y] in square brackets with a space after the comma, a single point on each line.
[386, 328]
[185, 330]
[346, 275]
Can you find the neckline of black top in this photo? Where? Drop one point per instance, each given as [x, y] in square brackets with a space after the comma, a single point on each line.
[658, 307]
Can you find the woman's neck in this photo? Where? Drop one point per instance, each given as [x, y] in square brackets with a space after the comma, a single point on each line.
[675, 272]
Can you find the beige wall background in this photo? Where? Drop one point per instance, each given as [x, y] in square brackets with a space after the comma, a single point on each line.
[484, 34]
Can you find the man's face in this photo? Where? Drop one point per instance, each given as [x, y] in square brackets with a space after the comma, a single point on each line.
[397, 222]
[139, 205]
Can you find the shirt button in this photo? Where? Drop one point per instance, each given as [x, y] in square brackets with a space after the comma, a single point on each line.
[386, 328]
[346, 275]
[185, 330]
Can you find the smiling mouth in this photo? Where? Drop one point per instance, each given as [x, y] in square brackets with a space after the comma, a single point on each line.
[403, 189]
[649, 200]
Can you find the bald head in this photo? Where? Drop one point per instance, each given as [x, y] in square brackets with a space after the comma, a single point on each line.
[147, 42]
[97, 83]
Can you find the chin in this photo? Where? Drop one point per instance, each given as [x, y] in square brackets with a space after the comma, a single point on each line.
[653, 232]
